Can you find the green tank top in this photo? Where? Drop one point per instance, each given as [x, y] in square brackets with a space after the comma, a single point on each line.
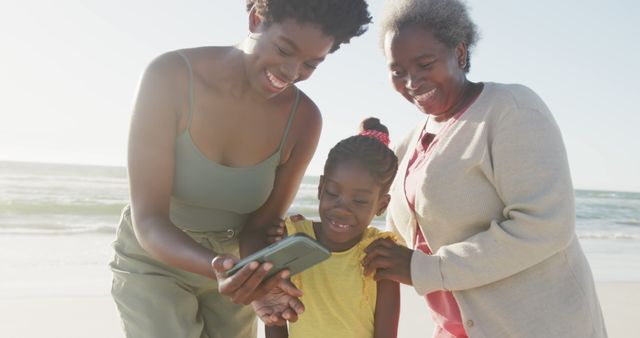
[208, 196]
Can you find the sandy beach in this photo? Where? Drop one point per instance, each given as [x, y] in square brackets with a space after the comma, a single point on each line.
[60, 289]
[58, 286]
[84, 315]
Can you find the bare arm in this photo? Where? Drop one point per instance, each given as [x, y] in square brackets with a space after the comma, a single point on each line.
[387, 310]
[151, 167]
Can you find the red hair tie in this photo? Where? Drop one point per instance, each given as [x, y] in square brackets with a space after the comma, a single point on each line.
[378, 135]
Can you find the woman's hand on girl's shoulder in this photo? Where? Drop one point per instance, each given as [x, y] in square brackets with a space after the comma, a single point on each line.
[388, 260]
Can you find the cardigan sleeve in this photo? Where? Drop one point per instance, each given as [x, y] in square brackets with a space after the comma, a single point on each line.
[530, 173]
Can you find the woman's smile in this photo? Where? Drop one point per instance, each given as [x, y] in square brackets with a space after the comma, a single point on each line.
[276, 84]
[421, 99]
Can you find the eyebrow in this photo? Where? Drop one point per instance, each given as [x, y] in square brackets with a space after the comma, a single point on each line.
[418, 58]
[364, 190]
[295, 47]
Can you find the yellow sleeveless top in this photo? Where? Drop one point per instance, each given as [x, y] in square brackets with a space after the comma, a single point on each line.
[339, 300]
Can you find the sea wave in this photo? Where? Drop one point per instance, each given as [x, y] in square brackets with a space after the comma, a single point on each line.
[57, 230]
[633, 222]
[13, 208]
[601, 194]
[608, 235]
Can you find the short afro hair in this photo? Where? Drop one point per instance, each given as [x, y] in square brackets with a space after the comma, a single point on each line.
[340, 19]
[448, 20]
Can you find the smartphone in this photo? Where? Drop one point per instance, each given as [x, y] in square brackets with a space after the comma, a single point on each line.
[297, 253]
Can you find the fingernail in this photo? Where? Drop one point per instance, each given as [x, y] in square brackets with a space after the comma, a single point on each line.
[267, 266]
[285, 274]
[253, 265]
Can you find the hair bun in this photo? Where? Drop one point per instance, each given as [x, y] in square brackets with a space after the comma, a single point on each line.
[371, 127]
[373, 123]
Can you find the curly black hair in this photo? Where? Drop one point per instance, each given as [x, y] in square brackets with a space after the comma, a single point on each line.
[381, 162]
[340, 19]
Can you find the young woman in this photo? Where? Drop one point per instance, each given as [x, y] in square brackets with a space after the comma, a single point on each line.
[220, 139]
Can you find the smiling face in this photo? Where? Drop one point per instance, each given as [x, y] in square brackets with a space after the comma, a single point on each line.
[282, 53]
[425, 71]
[349, 199]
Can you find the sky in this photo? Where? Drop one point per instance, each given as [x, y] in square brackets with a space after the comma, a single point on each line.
[69, 71]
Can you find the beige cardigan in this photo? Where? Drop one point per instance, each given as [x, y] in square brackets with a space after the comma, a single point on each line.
[497, 209]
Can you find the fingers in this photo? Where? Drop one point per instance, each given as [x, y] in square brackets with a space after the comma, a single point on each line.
[296, 305]
[290, 315]
[276, 320]
[222, 263]
[378, 262]
[380, 254]
[289, 288]
[248, 287]
[297, 218]
[276, 231]
[241, 287]
[272, 282]
[380, 243]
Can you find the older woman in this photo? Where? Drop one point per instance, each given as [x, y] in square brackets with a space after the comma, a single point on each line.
[483, 197]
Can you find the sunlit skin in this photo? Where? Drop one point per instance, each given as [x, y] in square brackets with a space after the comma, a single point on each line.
[431, 76]
[350, 198]
[280, 54]
[428, 73]
[243, 95]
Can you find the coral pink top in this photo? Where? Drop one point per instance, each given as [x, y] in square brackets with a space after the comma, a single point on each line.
[444, 308]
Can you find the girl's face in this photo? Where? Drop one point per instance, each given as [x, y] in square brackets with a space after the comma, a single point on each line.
[425, 71]
[349, 199]
[282, 53]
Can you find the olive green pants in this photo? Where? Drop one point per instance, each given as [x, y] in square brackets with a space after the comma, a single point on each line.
[156, 301]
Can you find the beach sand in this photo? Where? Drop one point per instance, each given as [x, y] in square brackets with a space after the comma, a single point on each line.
[84, 315]
[58, 286]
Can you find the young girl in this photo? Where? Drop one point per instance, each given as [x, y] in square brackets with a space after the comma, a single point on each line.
[339, 300]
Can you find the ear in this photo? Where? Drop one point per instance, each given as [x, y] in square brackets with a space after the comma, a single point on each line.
[255, 21]
[320, 186]
[383, 203]
[461, 55]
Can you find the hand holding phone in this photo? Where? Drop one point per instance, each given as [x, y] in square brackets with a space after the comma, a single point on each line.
[296, 253]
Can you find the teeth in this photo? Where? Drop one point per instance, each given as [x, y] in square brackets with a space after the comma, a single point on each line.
[275, 81]
[425, 96]
[341, 226]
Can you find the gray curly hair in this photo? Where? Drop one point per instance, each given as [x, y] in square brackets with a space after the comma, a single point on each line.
[448, 20]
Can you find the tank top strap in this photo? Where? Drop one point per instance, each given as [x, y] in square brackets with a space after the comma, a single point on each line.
[291, 115]
[190, 112]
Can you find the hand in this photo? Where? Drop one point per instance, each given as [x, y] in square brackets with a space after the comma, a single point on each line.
[278, 230]
[278, 306]
[248, 284]
[389, 261]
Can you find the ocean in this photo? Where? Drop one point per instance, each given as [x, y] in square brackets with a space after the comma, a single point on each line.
[62, 201]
